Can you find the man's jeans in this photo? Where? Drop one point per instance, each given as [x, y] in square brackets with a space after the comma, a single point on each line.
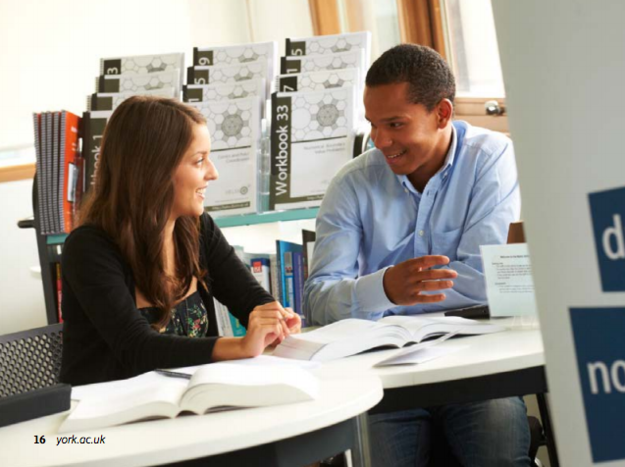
[480, 434]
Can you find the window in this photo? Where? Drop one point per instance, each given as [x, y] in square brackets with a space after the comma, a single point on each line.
[462, 31]
[473, 48]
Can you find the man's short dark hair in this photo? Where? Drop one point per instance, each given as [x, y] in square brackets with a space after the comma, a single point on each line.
[427, 73]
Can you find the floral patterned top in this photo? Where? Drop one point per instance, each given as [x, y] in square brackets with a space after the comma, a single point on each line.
[188, 318]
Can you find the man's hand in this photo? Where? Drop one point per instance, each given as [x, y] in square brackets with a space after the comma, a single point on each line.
[404, 282]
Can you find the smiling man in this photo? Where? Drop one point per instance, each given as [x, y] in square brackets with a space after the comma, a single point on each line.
[399, 232]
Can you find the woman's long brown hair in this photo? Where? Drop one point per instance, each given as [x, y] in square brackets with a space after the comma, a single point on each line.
[143, 143]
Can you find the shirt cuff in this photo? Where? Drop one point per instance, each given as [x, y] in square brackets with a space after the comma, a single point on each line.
[370, 294]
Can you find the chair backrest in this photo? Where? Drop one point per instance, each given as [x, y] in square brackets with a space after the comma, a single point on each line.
[30, 359]
[516, 233]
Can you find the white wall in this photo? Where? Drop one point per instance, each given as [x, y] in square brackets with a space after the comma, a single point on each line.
[50, 50]
[21, 294]
[275, 20]
[262, 238]
[49, 59]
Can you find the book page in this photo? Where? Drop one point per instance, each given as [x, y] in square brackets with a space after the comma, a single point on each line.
[261, 360]
[106, 404]
[413, 323]
[270, 360]
[422, 327]
[227, 384]
[341, 339]
[414, 355]
[344, 329]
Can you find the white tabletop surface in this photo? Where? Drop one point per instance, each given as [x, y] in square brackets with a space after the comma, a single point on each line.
[164, 441]
[514, 349]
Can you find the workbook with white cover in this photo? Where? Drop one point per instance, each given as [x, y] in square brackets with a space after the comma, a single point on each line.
[212, 387]
[351, 336]
[312, 137]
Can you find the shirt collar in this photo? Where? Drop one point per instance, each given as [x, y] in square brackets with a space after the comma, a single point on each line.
[442, 172]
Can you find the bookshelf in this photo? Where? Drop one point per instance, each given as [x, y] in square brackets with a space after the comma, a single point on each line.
[267, 217]
[50, 246]
[235, 221]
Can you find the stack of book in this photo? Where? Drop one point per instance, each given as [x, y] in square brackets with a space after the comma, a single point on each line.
[58, 170]
[59, 182]
[122, 77]
[315, 112]
[229, 85]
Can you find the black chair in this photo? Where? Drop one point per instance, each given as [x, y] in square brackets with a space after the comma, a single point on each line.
[30, 360]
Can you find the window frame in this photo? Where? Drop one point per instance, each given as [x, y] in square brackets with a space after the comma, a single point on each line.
[325, 16]
[20, 167]
[13, 173]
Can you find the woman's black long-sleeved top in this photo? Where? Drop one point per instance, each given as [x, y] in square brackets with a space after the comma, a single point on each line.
[105, 337]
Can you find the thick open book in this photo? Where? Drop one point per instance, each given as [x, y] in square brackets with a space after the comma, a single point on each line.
[352, 336]
[210, 388]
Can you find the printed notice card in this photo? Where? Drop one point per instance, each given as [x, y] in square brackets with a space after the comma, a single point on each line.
[311, 139]
[509, 284]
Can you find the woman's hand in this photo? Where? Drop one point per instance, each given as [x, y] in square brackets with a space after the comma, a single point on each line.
[269, 323]
[293, 324]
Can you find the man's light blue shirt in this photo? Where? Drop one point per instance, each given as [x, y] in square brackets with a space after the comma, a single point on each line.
[371, 219]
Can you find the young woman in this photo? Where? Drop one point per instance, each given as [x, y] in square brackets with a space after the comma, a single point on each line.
[140, 273]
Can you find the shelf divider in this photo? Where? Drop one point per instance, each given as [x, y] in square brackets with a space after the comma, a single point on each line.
[236, 221]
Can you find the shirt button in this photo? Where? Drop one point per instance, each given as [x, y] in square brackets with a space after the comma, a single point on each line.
[406, 190]
[421, 233]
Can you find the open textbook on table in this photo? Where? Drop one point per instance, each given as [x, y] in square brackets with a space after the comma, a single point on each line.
[352, 336]
[196, 390]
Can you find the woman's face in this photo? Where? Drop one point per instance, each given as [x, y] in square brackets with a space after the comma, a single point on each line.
[193, 174]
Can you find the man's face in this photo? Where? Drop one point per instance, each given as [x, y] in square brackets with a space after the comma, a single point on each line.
[406, 133]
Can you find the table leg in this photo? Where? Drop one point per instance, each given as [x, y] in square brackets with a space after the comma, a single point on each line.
[360, 453]
[549, 436]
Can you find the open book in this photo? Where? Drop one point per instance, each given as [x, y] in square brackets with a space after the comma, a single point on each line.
[208, 388]
[352, 336]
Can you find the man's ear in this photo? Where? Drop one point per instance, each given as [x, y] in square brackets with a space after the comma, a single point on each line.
[445, 112]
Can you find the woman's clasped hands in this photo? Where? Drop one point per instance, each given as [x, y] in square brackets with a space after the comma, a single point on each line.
[269, 324]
